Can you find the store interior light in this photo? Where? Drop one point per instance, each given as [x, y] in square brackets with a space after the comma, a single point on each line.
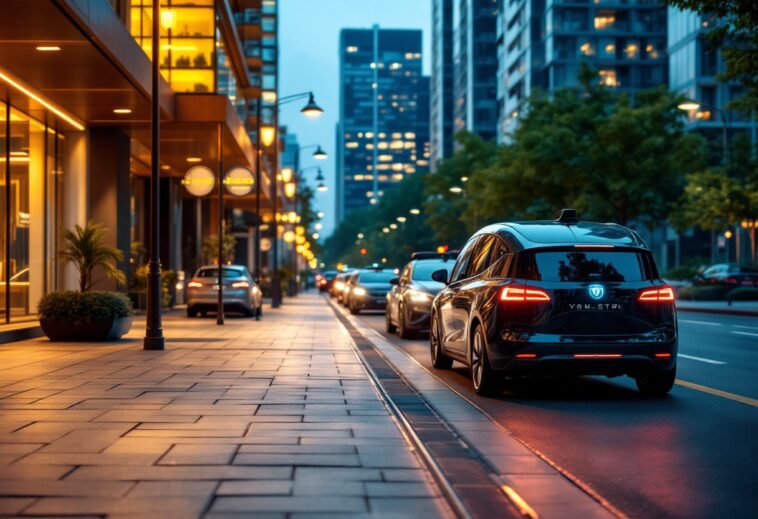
[48, 48]
[60, 113]
[122, 110]
[194, 160]
[268, 134]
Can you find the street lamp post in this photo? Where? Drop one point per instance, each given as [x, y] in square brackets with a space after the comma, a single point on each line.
[311, 109]
[153, 329]
[690, 105]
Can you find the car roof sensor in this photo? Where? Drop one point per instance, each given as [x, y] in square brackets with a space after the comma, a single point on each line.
[568, 217]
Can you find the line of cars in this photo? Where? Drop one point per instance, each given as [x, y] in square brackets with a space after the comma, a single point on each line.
[557, 298]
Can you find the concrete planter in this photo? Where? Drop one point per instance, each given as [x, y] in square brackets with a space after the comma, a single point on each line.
[92, 331]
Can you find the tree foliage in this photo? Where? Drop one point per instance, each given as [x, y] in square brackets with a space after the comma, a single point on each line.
[735, 33]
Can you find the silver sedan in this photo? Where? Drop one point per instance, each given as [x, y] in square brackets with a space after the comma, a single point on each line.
[241, 293]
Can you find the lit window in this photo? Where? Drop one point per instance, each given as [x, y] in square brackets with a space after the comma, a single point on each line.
[385, 158]
[382, 146]
[604, 21]
[383, 178]
[587, 49]
[397, 167]
[410, 135]
[652, 52]
[351, 145]
[632, 50]
[352, 49]
[608, 78]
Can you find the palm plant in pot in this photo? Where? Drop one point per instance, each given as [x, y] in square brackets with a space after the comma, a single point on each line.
[87, 315]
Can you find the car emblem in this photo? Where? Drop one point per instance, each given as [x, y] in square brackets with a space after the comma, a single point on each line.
[596, 291]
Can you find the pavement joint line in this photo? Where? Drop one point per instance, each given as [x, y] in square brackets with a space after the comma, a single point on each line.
[586, 488]
[439, 475]
[749, 334]
[717, 392]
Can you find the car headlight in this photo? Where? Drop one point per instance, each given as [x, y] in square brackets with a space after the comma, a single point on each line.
[419, 297]
[339, 285]
[358, 291]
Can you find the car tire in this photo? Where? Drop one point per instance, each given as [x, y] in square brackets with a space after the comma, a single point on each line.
[402, 329]
[656, 383]
[191, 311]
[388, 326]
[485, 379]
[439, 359]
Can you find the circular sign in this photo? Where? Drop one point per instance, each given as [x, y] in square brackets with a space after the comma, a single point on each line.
[239, 181]
[199, 180]
[265, 244]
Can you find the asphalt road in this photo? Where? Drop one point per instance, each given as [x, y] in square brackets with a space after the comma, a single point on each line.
[692, 454]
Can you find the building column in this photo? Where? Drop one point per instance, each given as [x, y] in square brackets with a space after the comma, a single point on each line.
[109, 191]
[75, 194]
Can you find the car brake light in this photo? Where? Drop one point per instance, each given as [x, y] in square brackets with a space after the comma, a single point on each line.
[652, 295]
[523, 294]
[194, 284]
[240, 284]
[663, 355]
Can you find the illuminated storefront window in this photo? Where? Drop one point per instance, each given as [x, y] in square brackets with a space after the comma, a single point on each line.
[188, 41]
[31, 157]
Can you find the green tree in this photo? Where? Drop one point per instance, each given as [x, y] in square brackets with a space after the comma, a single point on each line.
[735, 32]
[84, 248]
[210, 247]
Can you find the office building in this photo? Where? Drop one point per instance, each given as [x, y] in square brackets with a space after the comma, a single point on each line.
[441, 133]
[383, 129]
[75, 94]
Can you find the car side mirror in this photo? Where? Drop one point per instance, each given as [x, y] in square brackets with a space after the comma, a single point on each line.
[395, 281]
[440, 276]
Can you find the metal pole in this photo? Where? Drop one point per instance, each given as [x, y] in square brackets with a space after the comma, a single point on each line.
[258, 193]
[220, 148]
[153, 330]
[6, 282]
[276, 297]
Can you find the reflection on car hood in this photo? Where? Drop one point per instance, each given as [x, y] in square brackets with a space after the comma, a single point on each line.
[432, 287]
[375, 287]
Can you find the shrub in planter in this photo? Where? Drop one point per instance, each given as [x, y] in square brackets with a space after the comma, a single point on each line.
[704, 293]
[85, 316]
[743, 294]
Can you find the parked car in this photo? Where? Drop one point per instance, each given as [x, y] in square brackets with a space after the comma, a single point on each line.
[368, 289]
[241, 293]
[728, 274]
[556, 297]
[325, 279]
[409, 302]
[338, 285]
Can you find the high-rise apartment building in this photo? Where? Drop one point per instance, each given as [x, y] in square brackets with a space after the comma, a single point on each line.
[542, 44]
[441, 102]
[383, 126]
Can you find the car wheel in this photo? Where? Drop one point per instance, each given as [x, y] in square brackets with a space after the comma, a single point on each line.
[656, 383]
[402, 329]
[439, 359]
[388, 326]
[191, 311]
[483, 376]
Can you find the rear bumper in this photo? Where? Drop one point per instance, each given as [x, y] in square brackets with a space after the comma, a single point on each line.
[211, 301]
[586, 358]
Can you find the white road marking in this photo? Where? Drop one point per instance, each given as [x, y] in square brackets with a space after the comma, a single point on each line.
[707, 323]
[746, 333]
[701, 359]
[747, 327]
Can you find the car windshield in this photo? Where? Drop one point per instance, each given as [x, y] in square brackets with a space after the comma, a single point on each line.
[213, 273]
[423, 270]
[330, 275]
[372, 276]
[585, 266]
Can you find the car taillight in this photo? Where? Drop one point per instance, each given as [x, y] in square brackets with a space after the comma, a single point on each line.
[730, 281]
[653, 295]
[240, 284]
[523, 294]
[194, 284]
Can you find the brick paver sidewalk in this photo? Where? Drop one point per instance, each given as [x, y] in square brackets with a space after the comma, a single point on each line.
[275, 417]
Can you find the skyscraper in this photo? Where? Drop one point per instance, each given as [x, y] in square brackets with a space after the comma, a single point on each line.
[383, 129]
[441, 105]
[543, 45]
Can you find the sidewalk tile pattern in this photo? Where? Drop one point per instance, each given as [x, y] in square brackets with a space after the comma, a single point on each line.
[271, 418]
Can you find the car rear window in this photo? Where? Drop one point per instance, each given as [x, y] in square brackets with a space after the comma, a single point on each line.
[572, 265]
[422, 270]
[213, 273]
[382, 276]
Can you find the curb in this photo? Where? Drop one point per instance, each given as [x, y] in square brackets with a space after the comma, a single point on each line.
[719, 311]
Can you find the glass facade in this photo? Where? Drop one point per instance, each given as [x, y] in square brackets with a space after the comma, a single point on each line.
[31, 206]
[401, 135]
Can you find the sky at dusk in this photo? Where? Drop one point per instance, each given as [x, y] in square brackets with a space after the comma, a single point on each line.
[309, 60]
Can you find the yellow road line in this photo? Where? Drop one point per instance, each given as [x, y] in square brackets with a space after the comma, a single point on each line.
[518, 501]
[717, 392]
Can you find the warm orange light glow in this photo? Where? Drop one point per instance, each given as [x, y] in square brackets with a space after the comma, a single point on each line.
[48, 48]
[286, 174]
[194, 284]
[60, 113]
[526, 355]
[194, 160]
[663, 355]
[523, 294]
[240, 284]
[289, 189]
[168, 18]
[657, 294]
[268, 134]
[122, 111]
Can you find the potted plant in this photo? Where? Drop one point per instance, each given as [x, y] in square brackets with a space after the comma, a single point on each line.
[86, 315]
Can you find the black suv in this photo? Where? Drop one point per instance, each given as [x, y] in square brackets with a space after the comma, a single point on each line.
[556, 297]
